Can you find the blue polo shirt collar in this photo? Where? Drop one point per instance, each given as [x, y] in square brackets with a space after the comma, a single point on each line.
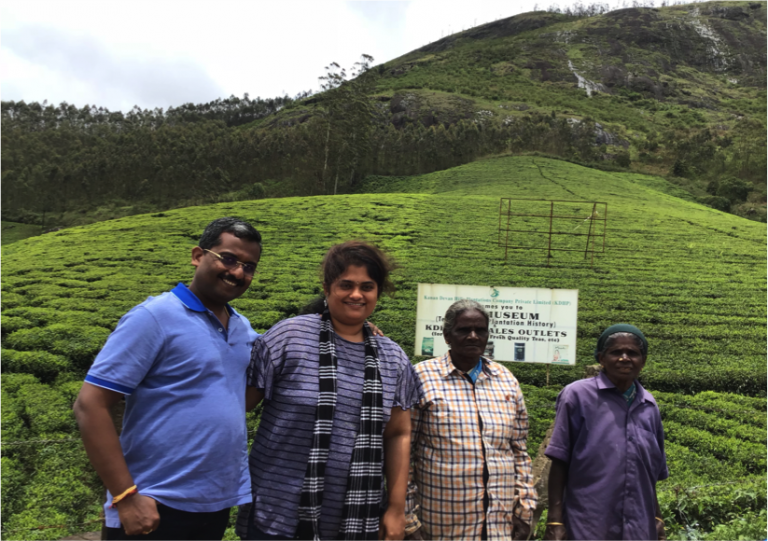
[191, 301]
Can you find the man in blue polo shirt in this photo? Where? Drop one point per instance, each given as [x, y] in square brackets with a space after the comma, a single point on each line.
[180, 360]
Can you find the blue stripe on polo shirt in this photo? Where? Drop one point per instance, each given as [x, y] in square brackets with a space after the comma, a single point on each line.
[188, 298]
[98, 382]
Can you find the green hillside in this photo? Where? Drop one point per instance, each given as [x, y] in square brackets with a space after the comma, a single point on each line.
[694, 279]
[677, 91]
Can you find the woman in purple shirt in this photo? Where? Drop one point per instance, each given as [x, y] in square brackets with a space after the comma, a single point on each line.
[335, 421]
[607, 449]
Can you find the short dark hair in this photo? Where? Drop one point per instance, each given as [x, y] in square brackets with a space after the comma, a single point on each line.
[211, 237]
[458, 308]
[355, 252]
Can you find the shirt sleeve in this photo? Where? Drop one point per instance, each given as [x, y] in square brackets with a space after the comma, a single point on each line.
[408, 392]
[129, 353]
[261, 370]
[663, 469]
[560, 443]
[524, 488]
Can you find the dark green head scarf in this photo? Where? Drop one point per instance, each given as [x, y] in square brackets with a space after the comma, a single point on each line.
[621, 327]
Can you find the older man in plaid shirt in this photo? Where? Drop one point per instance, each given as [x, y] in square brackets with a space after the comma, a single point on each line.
[471, 473]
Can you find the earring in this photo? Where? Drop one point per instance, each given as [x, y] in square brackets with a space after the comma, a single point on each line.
[325, 303]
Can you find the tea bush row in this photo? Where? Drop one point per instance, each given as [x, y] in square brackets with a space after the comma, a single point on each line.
[42, 364]
[748, 526]
[44, 483]
[732, 379]
[689, 467]
[78, 344]
[540, 403]
[735, 511]
[714, 423]
[757, 404]
[746, 410]
[751, 455]
[692, 278]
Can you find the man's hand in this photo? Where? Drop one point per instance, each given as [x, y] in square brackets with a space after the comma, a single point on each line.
[138, 514]
[555, 533]
[392, 525]
[375, 331]
[418, 535]
[661, 534]
[520, 528]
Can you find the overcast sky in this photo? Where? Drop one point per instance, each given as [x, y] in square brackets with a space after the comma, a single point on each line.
[161, 53]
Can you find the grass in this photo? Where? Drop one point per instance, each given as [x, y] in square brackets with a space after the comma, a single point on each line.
[693, 279]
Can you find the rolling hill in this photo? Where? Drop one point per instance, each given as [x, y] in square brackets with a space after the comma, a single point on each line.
[691, 277]
[678, 91]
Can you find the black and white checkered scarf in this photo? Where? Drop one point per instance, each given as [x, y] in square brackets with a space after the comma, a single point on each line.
[360, 518]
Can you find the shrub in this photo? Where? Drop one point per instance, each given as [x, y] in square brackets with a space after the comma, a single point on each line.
[13, 427]
[716, 202]
[622, 159]
[692, 380]
[750, 526]
[12, 300]
[78, 344]
[751, 455]
[710, 506]
[13, 479]
[681, 168]
[39, 363]
[45, 410]
[733, 189]
[10, 323]
[11, 383]
[24, 525]
[69, 389]
[713, 423]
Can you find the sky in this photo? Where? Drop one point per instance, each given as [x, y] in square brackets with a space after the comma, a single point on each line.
[162, 53]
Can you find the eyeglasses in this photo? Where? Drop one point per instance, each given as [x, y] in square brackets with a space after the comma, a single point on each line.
[249, 269]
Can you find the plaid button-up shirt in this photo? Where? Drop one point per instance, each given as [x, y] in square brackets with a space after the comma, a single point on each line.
[469, 451]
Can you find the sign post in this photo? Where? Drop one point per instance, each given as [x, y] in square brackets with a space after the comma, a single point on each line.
[527, 325]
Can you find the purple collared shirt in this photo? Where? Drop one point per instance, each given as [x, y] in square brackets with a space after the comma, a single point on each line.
[615, 456]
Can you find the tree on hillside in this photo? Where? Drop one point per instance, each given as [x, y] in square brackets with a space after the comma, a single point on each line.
[347, 117]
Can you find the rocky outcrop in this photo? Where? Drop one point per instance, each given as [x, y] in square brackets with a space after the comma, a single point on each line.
[428, 110]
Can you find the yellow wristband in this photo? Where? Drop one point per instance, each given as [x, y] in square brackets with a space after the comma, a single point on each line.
[660, 520]
[120, 497]
[555, 524]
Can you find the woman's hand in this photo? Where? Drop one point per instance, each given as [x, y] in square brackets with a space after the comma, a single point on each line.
[392, 524]
[661, 534]
[520, 529]
[555, 532]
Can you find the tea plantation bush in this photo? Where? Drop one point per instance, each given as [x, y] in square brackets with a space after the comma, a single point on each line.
[692, 278]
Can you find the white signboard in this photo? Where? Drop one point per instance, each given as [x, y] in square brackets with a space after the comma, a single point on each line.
[530, 325]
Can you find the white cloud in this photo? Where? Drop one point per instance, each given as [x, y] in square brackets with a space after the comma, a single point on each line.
[157, 53]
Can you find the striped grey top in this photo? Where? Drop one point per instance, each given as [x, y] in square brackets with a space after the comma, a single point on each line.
[284, 365]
